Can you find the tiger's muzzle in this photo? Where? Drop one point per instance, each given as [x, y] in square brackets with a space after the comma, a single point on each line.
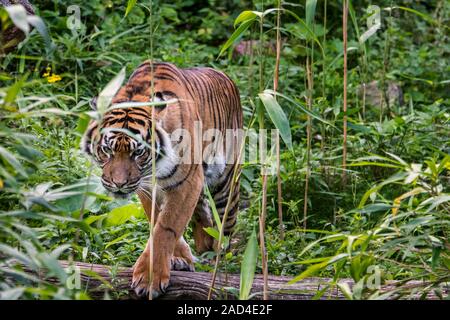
[121, 175]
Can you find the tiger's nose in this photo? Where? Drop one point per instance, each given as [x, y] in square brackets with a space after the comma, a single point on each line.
[119, 183]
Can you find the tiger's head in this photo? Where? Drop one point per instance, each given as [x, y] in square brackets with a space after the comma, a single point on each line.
[121, 145]
[120, 142]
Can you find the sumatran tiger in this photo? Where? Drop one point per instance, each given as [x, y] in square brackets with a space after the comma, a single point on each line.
[198, 100]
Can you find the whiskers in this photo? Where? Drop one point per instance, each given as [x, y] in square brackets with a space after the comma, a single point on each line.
[144, 193]
[145, 187]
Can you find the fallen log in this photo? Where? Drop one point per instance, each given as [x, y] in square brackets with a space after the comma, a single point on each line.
[195, 285]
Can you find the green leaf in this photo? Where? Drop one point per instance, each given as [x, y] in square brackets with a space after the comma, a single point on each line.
[345, 289]
[212, 204]
[375, 164]
[53, 266]
[435, 201]
[213, 232]
[12, 160]
[375, 207]
[435, 257]
[396, 177]
[107, 94]
[117, 240]
[309, 32]
[95, 275]
[300, 106]
[16, 254]
[12, 91]
[236, 35]
[18, 15]
[424, 16]
[248, 267]
[277, 116]
[122, 214]
[130, 6]
[310, 10]
[39, 25]
[244, 16]
[319, 266]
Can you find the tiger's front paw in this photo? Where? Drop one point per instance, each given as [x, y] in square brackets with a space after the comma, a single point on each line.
[141, 274]
[141, 277]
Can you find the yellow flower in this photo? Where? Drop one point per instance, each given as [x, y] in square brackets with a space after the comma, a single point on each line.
[54, 78]
[47, 74]
[1, 184]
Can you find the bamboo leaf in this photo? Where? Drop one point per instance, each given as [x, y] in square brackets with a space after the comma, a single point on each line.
[130, 6]
[213, 208]
[397, 177]
[12, 294]
[418, 13]
[236, 35]
[12, 160]
[308, 30]
[39, 25]
[107, 94]
[277, 116]
[319, 266]
[18, 15]
[212, 232]
[345, 289]
[248, 267]
[244, 16]
[300, 106]
[310, 9]
[117, 240]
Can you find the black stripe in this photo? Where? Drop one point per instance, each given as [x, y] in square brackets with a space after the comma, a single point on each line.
[180, 182]
[221, 186]
[138, 121]
[135, 113]
[170, 174]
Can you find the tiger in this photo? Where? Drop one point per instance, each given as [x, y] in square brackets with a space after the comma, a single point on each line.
[198, 98]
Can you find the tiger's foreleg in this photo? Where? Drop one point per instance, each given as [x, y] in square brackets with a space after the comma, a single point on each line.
[141, 268]
[182, 259]
[176, 212]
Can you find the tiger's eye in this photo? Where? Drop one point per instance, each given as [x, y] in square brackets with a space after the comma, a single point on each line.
[106, 150]
[159, 98]
[139, 152]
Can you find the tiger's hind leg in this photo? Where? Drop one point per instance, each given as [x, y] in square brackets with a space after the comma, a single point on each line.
[226, 198]
[202, 219]
[203, 216]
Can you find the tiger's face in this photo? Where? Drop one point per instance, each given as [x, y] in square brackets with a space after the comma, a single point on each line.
[120, 144]
[125, 161]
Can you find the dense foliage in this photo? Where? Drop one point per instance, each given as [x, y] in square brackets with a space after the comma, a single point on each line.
[389, 213]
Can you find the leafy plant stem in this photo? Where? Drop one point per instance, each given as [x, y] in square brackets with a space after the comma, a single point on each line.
[344, 148]
[275, 88]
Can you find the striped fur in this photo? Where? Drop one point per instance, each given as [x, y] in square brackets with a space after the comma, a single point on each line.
[120, 145]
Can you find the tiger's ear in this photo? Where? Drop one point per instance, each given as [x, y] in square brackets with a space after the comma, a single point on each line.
[93, 103]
